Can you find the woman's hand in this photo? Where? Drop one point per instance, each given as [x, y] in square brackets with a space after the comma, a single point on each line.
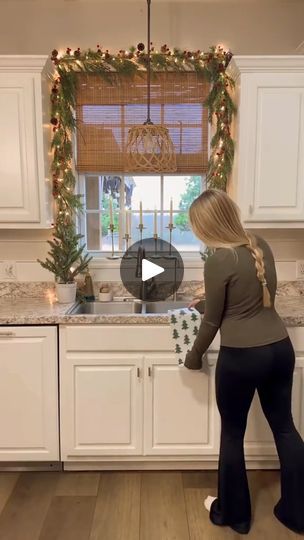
[198, 304]
[193, 360]
[194, 302]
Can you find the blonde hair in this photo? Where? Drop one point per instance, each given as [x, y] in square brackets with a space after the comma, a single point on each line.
[215, 219]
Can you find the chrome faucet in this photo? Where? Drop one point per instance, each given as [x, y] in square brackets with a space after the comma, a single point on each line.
[141, 254]
[146, 287]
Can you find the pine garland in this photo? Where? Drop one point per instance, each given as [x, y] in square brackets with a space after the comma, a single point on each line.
[211, 66]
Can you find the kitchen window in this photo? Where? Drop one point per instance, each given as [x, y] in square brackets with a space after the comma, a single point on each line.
[105, 110]
[127, 191]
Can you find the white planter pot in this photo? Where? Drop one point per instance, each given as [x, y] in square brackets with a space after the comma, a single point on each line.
[66, 292]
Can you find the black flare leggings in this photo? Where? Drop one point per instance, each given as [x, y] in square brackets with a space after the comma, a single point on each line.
[239, 372]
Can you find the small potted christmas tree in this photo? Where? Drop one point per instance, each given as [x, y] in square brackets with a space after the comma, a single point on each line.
[65, 260]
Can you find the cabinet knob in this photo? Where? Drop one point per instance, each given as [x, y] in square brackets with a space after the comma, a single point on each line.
[138, 373]
[250, 209]
[149, 371]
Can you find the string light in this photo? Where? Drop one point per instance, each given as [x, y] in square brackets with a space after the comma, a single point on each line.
[213, 61]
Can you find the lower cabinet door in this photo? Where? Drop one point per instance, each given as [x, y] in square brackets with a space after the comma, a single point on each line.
[180, 408]
[29, 394]
[101, 404]
[259, 439]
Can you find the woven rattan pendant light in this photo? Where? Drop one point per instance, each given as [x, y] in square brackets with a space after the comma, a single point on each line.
[149, 147]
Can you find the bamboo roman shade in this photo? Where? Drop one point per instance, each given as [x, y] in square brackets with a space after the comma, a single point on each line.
[105, 110]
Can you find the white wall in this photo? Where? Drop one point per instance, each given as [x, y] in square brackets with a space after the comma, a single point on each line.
[246, 26]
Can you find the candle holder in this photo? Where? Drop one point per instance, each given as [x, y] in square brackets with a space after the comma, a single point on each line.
[127, 238]
[155, 255]
[141, 228]
[170, 226]
[111, 229]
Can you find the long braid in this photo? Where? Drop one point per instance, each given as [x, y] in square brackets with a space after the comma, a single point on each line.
[257, 254]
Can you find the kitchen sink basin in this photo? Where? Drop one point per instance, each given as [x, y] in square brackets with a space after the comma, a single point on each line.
[125, 307]
[162, 307]
[100, 308]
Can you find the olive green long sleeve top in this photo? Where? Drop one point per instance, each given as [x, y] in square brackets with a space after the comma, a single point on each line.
[234, 303]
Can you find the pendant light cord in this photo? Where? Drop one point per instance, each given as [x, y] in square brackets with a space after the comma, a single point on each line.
[148, 121]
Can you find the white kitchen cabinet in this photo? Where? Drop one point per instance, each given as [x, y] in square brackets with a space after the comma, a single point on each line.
[25, 188]
[29, 394]
[116, 403]
[126, 403]
[268, 174]
[101, 404]
[179, 408]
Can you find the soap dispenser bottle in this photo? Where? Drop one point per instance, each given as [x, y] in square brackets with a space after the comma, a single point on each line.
[88, 292]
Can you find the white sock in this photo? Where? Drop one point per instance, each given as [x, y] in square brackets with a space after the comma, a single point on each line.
[208, 501]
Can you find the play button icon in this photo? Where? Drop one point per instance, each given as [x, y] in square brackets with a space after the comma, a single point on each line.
[150, 270]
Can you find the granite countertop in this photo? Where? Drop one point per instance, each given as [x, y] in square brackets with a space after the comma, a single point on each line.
[41, 311]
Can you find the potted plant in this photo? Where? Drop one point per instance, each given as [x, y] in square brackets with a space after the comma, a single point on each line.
[65, 260]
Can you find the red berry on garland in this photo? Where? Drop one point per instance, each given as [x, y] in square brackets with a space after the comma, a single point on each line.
[140, 47]
[54, 90]
[68, 50]
[54, 53]
[77, 52]
[54, 121]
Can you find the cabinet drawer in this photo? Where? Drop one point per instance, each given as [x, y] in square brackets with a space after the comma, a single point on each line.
[119, 338]
[116, 338]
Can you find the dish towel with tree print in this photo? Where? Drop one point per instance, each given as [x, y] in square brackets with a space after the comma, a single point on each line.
[184, 325]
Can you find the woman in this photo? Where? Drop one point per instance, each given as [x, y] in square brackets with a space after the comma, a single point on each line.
[255, 353]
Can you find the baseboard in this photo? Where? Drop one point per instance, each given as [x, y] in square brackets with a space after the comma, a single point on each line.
[160, 465]
[27, 466]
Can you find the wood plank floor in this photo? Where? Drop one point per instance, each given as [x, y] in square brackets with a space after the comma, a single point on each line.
[128, 506]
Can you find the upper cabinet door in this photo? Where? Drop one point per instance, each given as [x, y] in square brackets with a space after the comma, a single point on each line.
[19, 187]
[24, 190]
[268, 175]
